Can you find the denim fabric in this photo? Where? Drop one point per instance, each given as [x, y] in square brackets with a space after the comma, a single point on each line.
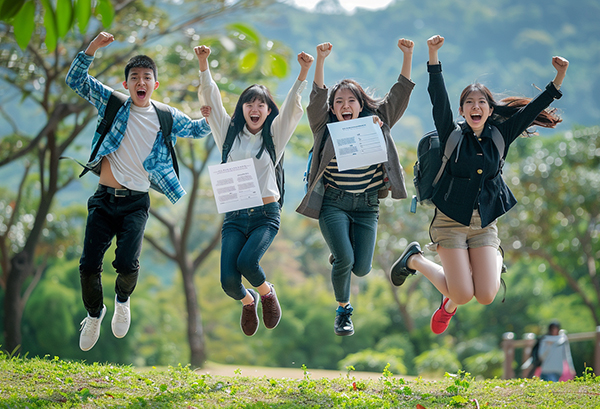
[245, 237]
[110, 216]
[348, 223]
[550, 377]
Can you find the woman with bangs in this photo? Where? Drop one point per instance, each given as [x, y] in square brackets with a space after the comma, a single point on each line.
[256, 129]
[346, 203]
[471, 194]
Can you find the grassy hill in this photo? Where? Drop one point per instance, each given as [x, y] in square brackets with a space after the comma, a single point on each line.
[54, 383]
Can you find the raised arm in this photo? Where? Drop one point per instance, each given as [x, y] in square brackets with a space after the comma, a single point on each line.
[434, 44]
[209, 94]
[305, 60]
[407, 47]
[561, 65]
[102, 40]
[323, 50]
[285, 123]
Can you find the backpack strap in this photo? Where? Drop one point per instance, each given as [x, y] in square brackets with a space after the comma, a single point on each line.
[229, 138]
[500, 144]
[453, 140]
[165, 118]
[115, 102]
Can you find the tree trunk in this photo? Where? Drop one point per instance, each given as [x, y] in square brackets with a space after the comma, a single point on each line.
[20, 267]
[194, 320]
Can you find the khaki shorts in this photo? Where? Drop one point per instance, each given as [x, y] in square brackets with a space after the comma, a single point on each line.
[450, 234]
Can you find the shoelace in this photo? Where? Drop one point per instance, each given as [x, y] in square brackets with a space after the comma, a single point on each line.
[121, 313]
[89, 325]
[268, 302]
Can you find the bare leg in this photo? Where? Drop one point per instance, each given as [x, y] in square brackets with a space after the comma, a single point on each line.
[486, 263]
[453, 280]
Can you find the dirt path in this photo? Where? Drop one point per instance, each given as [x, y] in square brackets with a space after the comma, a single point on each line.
[290, 373]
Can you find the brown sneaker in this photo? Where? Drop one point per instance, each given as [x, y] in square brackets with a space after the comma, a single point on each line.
[249, 320]
[270, 308]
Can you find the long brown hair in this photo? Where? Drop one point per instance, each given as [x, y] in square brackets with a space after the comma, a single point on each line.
[368, 103]
[509, 106]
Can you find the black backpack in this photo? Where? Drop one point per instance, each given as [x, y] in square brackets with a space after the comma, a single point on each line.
[431, 162]
[116, 100]
[269, 146]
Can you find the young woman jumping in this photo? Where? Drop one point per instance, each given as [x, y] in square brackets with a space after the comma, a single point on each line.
[346, 203]
[471, 194]
[255, 125]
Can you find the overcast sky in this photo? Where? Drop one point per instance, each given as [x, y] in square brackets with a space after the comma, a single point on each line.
[347, 4]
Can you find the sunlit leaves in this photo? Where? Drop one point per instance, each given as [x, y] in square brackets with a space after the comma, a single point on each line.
[24, 24]
[248, 60]
[106, 11]
[10, 8]
[260, 55]
[64, 16]
[50, 25]
[58, 17]
[83, 12]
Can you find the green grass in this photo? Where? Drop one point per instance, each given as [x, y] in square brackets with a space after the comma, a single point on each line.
[54, 383]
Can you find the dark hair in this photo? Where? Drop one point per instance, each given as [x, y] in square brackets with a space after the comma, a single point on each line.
[509, 106]
[554, 324]
[368, 103]
[250, 94]
[140, 61]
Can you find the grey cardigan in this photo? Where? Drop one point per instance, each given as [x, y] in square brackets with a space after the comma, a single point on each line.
[391, 109]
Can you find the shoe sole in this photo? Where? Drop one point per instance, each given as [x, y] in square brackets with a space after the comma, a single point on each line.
[112, 322]
[399, 277]
[91, 346]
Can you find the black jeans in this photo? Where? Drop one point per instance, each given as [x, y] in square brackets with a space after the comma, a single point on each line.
[110, 216]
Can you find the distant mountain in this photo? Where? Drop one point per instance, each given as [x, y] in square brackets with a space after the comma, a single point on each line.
[506, 44]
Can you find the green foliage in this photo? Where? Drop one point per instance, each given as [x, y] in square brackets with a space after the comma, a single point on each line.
[372, 361]
[437, 361]
[53, 382]
[59, 17]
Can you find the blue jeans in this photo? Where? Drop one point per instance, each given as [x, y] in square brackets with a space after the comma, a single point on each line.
[245, 237]
[348, 222]
[550, 377]
[110, 216]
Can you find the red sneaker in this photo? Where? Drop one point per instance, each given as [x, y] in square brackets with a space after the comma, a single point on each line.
[441, 318]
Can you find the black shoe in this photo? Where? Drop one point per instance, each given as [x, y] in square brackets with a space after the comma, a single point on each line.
[331, 259]
[400, 270]
[343, 323]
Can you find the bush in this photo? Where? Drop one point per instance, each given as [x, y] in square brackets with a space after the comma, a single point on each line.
[436, 362]
[485, 365]
[369, 360]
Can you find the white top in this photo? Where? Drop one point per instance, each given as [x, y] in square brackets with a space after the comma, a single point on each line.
[554, 350]
[127, 162]
[247, 144]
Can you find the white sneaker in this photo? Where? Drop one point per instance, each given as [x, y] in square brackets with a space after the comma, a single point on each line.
[121, 318]
[90, 330]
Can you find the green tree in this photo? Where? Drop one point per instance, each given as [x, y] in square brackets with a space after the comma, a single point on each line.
[36, 76]
[557, 220]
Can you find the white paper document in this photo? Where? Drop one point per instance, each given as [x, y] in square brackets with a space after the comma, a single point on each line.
[235, 185]
[357, 142]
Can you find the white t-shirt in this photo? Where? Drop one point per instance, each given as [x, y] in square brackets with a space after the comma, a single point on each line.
[127, 162]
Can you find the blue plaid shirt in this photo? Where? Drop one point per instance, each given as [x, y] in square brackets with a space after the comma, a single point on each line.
[158, 164]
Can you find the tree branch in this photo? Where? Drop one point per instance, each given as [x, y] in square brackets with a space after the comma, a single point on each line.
[210, 247]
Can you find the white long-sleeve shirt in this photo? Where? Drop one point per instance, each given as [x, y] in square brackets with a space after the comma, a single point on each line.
[246, 144]
[554, 350]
